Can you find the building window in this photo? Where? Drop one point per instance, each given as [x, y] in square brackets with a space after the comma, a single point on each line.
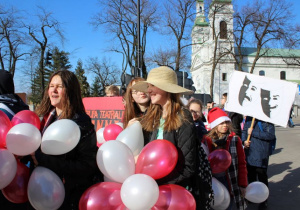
[223, 30]
[282, 75]
[261, 73]
[224, 76]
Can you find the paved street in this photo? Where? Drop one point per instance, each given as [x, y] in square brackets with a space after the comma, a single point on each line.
[284, 170]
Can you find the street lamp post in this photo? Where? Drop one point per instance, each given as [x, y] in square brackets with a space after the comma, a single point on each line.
[137, 71]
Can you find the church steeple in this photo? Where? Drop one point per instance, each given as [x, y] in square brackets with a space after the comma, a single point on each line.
[200, 15]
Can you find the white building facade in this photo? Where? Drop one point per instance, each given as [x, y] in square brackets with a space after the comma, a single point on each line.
[271, 65]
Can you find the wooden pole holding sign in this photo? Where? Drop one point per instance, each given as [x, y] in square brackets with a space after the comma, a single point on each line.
[252, 124]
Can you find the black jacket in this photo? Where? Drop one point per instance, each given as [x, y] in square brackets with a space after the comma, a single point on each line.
[78, 167]
[236, 120]
[13, 102]
[185, 141]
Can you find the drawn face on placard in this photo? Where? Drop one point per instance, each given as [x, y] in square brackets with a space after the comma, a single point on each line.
[249, 92]
[270, 102]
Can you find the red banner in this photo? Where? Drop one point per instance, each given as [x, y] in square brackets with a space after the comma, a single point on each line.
[104, 110]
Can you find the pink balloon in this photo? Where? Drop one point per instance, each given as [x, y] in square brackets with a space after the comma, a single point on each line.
[26, 116]
[104, 195]
[220, 160]
[111, 132]
[157, 159]
[173, 197]
[5, 126]
[16, 191]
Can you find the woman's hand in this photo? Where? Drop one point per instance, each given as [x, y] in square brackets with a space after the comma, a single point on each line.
[132, 121]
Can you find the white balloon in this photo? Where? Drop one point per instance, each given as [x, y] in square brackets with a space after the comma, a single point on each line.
[23, 139]
[257, 192]
[218, 192]
[8, 167]
[139, 192]
[45, 189]
[116, 161]
[225, 203]
[120, 124]
[100, 137]
[60, 137]
[133, 137]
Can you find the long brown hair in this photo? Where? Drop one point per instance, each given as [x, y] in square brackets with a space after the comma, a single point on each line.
[175, 115]
[73, 101]
[132, 109]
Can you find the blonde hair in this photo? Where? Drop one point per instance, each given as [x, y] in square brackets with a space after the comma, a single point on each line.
[112, 89]
[175, 115]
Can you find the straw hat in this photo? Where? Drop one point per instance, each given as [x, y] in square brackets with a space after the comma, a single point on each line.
[164, 78]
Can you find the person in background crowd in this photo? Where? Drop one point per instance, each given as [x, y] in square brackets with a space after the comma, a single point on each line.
[221, 136]
[112, 90]
[136, 102]
[195, 106]
[203, 179]
[257, 150]
[290, 122]
[236, 118]
[11, 104]
[77, 168]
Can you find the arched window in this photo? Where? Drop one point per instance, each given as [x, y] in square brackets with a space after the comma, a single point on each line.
[261, 73]
[223, 30]
[200, 9]
[282, 75]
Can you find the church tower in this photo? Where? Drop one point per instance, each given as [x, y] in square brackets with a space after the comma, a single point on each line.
[219, 14]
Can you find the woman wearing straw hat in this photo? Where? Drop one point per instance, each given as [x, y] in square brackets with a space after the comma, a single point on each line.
[166, 118]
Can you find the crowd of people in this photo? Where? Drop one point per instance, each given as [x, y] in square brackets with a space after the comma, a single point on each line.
[156, 103]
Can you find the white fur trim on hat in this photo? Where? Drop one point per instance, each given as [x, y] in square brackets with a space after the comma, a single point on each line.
[218, 121]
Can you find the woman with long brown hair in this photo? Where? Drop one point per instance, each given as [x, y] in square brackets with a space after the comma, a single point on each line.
[166, 118]
[77, 168]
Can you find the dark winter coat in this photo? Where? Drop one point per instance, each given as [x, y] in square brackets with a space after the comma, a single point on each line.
[78, 167]
[236, 120]
[12, 103]
[185, 141]
[258, 152]
[200, 128]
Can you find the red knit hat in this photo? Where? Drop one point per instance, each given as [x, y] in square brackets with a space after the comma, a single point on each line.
[216, 116]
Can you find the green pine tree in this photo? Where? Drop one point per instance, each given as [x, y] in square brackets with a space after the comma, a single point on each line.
[96, 88]
[60, 60]
[84, 85]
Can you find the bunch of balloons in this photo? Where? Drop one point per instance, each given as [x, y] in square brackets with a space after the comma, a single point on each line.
[221, 195]
[130, 170]
[20, 137]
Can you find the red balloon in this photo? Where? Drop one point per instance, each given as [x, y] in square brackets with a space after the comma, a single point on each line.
[173, 197]
[220, 160]
[157, 159]
[5, 126]
[112, 131]
[26, 116]
[16, 191]
[104, 195]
